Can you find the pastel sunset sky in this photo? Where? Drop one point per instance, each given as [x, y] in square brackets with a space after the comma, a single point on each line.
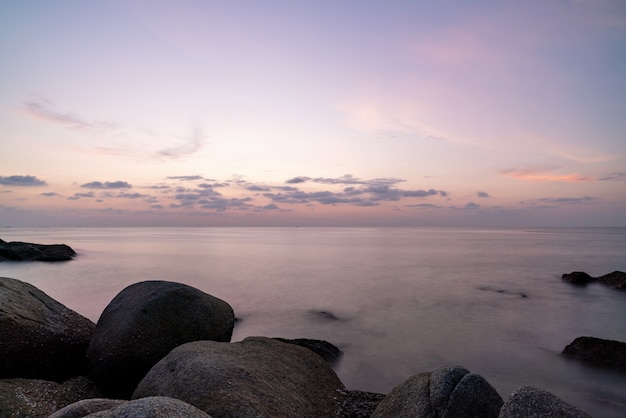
[381, 113]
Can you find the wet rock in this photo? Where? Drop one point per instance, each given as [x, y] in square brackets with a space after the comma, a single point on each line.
[143, 323]
[446, 392]
[597, 351]
[324, 349]
[258, 377]
[152, 407]
[40, 337]
[616, 280]
[529, 401]
[40, 398]
[578, 277]
[25, 251]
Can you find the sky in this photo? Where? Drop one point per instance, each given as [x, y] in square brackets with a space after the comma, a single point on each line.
[313, 113]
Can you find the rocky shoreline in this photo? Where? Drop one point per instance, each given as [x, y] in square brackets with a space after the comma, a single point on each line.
[26, 251]
[163, 349]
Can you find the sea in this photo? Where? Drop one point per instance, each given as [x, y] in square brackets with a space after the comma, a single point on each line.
[396, 301]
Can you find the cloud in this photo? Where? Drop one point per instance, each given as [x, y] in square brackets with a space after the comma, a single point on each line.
[542, 174]
[471, 206]
[77, 196]
[21, 181]
[49, 194]
[107, 185]
[621, 175]
[43, 109]
[131, 195]
[297, 180]
[568, 200]
[256, 188]
[482, 194]
[185, 178]
[191, 144]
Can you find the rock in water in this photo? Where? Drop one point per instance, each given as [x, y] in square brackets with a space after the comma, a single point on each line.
[616, 280]
[529, 401]
[446, 392]
[143, 323]
[153, 407]
[578, 277]
[40, 338]
[604, 353]
[258, 377]
[25, 251]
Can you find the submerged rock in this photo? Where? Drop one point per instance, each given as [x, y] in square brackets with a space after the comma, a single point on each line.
[25, 251]
[604, 353]
[40, 338]
[143, 323]
[257, 377]
[529, 401]
[446, 392]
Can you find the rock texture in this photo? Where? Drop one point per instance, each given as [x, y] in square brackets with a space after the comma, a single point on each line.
[324, 349]
[40, 398]
[143, 323]
[446, 392]
[615, 280]
[578, 277]
[258, 377]
[40, 338]
[152, 407]
[25, 251]
[529, 401]
[604, 353]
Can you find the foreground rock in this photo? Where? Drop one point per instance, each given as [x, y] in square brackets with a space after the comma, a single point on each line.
[446, 392]
[153, 407]
[258, 377]
[40, 398]
[324, 349]
[39, 337]
[529, 401]
[604, 353]
[25, 251]
[143, 323]
[615, 280]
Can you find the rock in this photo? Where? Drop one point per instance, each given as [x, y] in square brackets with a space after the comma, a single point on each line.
[40, 338]
[604, 353]
[324, 349]
[359, 404]
[143, 323]
[153, 407]
[616, 280]
[446, 392]
[24, 251]
[40, 398]
[257, 377]
[528, 401]
[578, 277]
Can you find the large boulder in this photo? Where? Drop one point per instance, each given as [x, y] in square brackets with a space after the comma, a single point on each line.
[616, 280]
[257, 377]
[324, 349]
[40, 398]
[143, 323]
[529, 401]
[153, 407]
[597, 351]
[25, 251]
[446, 392]
[40, 338]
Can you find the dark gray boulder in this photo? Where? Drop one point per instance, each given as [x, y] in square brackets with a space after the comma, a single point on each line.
[616, 280]
[597, 351]
[26, 251]
[446, 392]
[143, 323]
[40, 398]
[40, 338]
[360, 404]
[152, 407]
[258, 377]
[578, 277]
[324, 349]
[529, 401]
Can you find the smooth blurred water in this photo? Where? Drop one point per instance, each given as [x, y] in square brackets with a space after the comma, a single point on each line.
[406, 300]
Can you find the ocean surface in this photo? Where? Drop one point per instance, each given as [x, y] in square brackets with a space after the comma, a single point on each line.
[397, 301]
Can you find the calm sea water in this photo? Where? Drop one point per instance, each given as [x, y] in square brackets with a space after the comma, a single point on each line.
[404, 301]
